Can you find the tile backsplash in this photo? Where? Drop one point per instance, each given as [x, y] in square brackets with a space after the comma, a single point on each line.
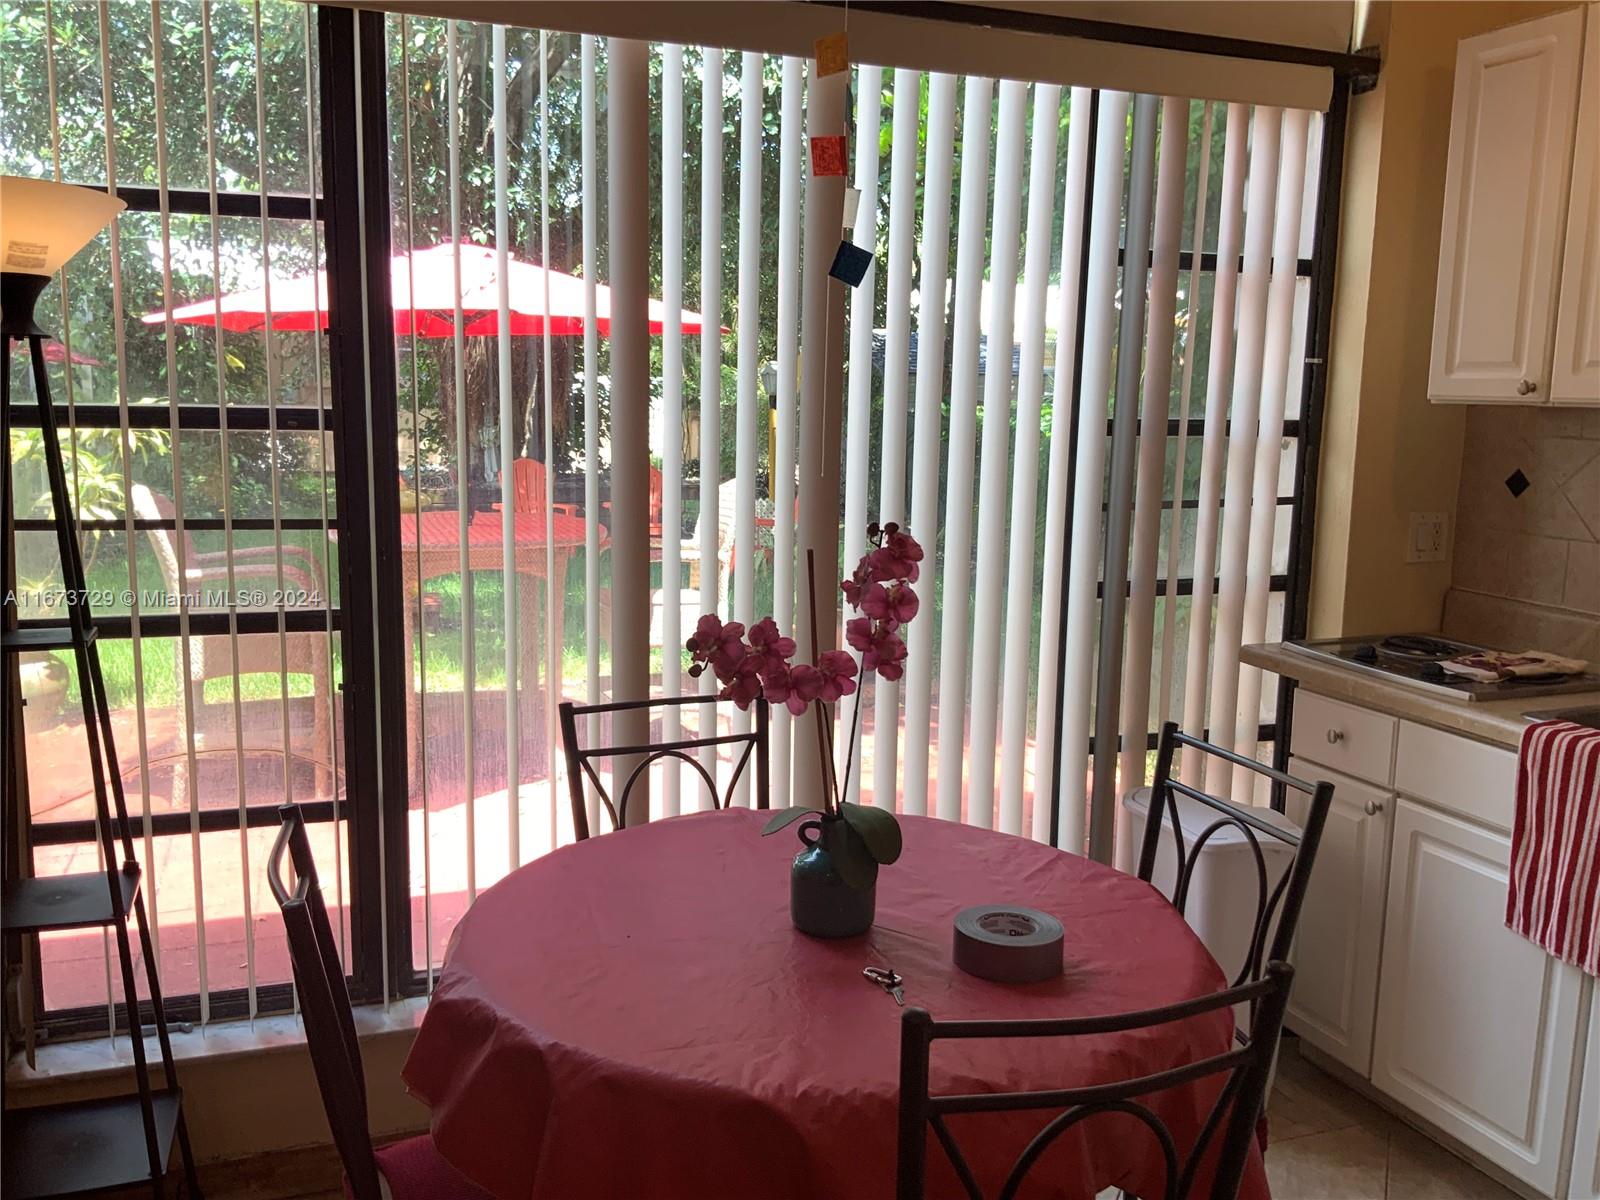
[1538, 544]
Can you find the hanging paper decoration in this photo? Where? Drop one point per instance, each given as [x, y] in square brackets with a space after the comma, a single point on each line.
[852, 204]
[850, 264]
[833, 54]
[827, 155]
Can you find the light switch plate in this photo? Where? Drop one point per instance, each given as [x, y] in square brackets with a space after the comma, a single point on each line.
[1427, 541]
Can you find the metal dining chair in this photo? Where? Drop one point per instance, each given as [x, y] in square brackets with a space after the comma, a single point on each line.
[1247, 1067]
[1277, 905]
[412, 1169]
[580, 759]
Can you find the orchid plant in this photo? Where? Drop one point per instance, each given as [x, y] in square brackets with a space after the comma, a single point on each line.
[756, 663]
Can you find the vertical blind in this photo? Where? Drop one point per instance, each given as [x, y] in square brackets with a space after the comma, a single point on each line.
[1017, 510]
[1073, 371]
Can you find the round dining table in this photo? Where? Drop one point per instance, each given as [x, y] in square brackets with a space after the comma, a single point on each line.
[635, 1017]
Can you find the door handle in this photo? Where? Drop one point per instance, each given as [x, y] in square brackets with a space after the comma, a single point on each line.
[1373, 807]
[1527, 387]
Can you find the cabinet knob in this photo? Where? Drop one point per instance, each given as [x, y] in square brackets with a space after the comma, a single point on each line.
[1335, 736]
[1527, 387]
[1373, 807]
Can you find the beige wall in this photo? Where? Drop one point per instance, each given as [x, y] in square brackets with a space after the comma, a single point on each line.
[1387, 451]
[241, 1102]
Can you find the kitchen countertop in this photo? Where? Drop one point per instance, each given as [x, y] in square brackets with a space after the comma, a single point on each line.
[1499, 722]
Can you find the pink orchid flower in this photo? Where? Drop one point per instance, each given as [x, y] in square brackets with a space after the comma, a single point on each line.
[887, 657]
[743, 688]
[838, 671]
[768, 648]
[895, 605]
[858, 633]
[805, 685]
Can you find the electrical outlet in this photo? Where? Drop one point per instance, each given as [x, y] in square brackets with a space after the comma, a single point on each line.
[1427, 541]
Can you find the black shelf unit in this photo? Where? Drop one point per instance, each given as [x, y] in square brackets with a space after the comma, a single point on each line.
[42, 637]
[84, 1146]
[121, 1141]
[66, 901]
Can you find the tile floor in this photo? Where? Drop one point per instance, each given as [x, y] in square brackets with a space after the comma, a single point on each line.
[1328, 1143]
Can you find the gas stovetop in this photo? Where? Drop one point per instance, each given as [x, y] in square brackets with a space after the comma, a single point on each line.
[1413, 659]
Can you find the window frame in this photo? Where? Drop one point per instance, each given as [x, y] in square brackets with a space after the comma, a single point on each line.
[345, 418]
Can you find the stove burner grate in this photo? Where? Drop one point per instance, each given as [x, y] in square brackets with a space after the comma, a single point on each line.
[1417, 647]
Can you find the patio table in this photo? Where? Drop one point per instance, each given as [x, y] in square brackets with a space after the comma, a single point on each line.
[430, 546]
[634, 1015]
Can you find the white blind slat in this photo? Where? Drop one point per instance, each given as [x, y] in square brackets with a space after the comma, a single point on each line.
[896, 388]
[994, 466]
[791, 133]
[463, 454]
[1253, 285]
[749, 419]
[589, 166]
[858, 416]
[924, 519]
[971, 240]
[1148, 492]
[508, 451]
[1073, 201]
[1169, 611]
[1276, 364]
[1025, 473]
[1099, 336]
[1213, 445]
[710, 521]
[672, 635]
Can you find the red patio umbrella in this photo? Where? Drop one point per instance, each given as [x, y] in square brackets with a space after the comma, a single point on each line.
[423, 287]
[55, 352]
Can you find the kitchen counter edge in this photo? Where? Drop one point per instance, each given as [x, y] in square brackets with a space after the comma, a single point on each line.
[1498, 722]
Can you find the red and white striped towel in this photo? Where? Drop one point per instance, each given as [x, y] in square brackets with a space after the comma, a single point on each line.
[1554, 895]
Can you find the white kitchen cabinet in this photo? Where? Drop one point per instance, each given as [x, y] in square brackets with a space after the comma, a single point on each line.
[1586, 1146]
[1512, 131]
[1476, 1026]
[1340, 936]
[1575, 368]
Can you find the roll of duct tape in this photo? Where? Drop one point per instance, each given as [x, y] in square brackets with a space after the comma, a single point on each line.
[1007, 943]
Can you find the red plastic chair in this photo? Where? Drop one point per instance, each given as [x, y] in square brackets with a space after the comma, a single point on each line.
[527, 489]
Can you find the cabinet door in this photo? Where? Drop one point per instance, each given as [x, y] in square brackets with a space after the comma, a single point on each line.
[1586, 1147]
[1339, 941]
[1511, 137]
[1476, 1026]
[1575, 370]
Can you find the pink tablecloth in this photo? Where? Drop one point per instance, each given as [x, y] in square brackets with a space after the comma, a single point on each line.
[635, 1017]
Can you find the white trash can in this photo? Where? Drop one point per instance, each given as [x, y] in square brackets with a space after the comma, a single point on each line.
[1224, 888]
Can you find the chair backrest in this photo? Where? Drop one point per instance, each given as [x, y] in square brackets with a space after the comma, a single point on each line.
[727, 514]
[527, 486]
[324, 1002]
[657, 488]
[1280, 902]
[1247, 1068]
[580, 759]
[151, 506]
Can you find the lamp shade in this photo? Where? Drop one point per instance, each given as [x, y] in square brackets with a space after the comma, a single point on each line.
[44, 223]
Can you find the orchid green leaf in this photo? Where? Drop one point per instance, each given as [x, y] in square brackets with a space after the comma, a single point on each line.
[852, 858]
[877, 829]
[787, 817]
